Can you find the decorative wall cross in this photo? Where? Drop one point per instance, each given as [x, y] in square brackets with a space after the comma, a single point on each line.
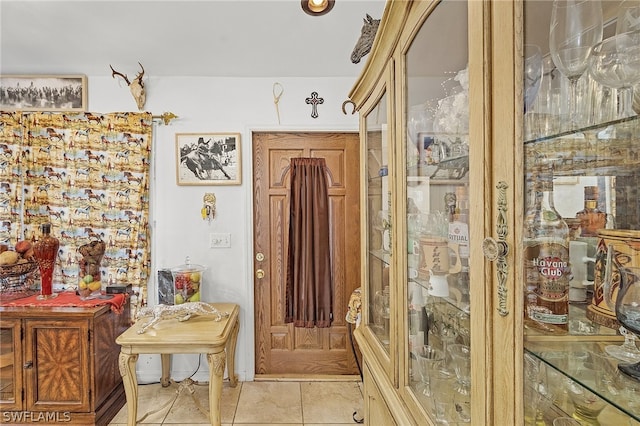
[314, 101]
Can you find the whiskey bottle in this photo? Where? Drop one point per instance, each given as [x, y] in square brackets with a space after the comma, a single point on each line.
[591, 219]
[546, 259]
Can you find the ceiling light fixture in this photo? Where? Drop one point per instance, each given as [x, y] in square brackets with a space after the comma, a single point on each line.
[317, 7]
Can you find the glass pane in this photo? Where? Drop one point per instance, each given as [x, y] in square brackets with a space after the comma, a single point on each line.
[379, 221]
[7, 367]
[581, 220]
[437, 214]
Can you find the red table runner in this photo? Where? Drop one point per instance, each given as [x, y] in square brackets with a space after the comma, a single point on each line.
[69, 298]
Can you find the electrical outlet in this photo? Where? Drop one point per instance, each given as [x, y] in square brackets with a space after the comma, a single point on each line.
[219, 240]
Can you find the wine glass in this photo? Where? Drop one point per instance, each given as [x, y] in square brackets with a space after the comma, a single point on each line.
[461, 359]
[382, 310]
[430, 361]
[627, 352]
[532, 74]
[576, 27]
[628, 18]
[628, 310]
[615, 62]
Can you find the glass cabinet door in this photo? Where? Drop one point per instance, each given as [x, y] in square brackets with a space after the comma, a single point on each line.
[379, 222]
[581, 228]
[436, 235]
[10, 365]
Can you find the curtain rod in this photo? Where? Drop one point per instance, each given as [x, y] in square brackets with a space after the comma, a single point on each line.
[166, 117]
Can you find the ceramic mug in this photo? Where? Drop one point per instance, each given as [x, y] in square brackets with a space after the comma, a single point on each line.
[578, 259]
[436, 254]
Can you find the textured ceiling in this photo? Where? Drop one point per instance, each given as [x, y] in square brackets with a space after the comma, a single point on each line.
[239, 38]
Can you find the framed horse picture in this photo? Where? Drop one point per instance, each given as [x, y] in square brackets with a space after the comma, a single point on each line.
[208, 159]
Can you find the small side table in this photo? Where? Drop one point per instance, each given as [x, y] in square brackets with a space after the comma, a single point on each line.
[200, 334]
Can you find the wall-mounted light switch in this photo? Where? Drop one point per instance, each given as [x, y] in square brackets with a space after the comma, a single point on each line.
[219, 240]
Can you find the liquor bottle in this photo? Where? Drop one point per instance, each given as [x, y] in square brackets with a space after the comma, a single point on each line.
[591, 219]
[459, 225]
[45, 251]
[459, 241]
[546, 259]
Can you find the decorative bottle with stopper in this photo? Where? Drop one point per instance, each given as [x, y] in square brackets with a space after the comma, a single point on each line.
[45, 251]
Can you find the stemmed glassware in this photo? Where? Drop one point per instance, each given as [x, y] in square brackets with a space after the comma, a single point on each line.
[576, 27]
[628, 310]
[627, 352]
[615, 63]
[628, 16]
[461, 359]
[382, 311]
[430, 361]
[532, 74]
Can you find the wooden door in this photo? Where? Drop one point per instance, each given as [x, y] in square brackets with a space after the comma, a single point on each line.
[281, 348]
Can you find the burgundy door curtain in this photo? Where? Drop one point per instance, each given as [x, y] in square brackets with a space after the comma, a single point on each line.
[309, 285]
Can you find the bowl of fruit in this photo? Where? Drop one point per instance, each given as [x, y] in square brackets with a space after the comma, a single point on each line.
[187, 280]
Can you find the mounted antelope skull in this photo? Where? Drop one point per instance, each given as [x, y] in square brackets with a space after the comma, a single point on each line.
[136, 86]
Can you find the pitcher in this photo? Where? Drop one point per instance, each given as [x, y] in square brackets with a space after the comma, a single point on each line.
[626, 254]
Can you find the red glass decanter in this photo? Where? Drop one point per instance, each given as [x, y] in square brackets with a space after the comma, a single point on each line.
[45, 251]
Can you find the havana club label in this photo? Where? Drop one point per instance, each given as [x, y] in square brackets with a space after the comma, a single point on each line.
[547, 272]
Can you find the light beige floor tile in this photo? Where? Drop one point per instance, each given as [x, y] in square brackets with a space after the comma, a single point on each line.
[229, 402]
[186, 410]
[269, 402]
[125, 424]
[150, 397]
[271, 424]
[330, 402]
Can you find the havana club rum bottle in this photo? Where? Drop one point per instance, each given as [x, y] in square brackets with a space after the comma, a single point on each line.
[546, 259]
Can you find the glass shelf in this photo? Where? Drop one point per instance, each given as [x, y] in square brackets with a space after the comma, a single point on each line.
[606, 149]
[585, 364]
[592, 129]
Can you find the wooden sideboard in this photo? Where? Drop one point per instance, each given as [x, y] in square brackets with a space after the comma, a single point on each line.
[60, 364]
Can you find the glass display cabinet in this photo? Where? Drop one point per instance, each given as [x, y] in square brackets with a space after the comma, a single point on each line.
[500, 199]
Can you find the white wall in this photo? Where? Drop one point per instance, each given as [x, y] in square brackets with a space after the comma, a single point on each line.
[211, 105]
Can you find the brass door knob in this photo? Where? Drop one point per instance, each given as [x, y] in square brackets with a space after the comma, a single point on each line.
[493, 249]
[259, 274]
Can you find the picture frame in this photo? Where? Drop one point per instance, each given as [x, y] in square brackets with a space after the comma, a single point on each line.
[43, 92]
[208, 159]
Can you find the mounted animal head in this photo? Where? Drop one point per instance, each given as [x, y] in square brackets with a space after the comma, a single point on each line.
[367, 34]
[136, 86]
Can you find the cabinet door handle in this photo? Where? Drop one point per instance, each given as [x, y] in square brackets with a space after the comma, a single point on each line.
[497, 250]
[27, 365]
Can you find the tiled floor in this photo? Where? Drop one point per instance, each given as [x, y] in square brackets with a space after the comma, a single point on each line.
[251, 403]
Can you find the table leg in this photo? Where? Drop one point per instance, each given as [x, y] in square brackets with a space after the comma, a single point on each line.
[127, 365]
[216, 363]
[231, 354]
[165, 379]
